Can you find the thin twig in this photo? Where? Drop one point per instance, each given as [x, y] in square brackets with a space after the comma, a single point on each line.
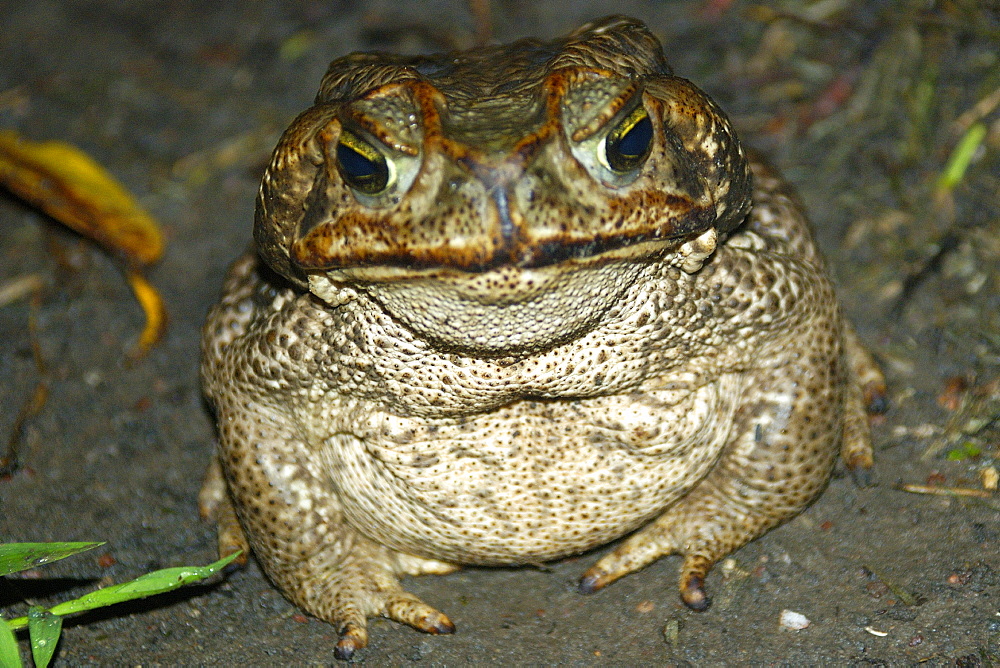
[20, 287]
[947, 491]
[978, 111]
[9, 460]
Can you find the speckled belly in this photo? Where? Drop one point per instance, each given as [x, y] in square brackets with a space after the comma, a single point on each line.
[534, 481]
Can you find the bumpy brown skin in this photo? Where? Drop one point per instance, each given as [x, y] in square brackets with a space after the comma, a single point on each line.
[515, 352]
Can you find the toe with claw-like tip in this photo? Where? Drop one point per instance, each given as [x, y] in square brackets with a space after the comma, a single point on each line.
[590, 582]
[693, 593]
[438, 624]
[352, 638]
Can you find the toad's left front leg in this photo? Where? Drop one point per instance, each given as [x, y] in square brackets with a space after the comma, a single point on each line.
[785, 438]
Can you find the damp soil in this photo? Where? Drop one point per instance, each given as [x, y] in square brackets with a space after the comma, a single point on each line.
[860, 104]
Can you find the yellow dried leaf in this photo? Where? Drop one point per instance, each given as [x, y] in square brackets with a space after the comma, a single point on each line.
[68, 185]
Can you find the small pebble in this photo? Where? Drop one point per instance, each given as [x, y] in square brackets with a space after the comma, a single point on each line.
[672, 633]
[795, 621]
[990, 478]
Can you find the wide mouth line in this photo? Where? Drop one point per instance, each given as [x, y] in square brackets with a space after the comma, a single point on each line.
[537, 255]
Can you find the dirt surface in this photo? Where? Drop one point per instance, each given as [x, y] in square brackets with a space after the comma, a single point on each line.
[860, 104]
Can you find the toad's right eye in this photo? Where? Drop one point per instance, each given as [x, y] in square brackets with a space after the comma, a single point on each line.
[363, 166]
[628, 144]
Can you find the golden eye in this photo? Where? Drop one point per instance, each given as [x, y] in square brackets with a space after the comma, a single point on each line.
[363, 167]
[627, 146]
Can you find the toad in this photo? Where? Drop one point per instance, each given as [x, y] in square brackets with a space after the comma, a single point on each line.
[510, 304]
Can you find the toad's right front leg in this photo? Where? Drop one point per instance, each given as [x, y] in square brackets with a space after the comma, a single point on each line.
[295, 525]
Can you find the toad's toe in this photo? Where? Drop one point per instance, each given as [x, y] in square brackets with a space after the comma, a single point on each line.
[692, 583]
[408, 609]
[593, 580]
[352, 638]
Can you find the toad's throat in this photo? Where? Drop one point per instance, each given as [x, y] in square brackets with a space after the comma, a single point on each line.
[494, 312]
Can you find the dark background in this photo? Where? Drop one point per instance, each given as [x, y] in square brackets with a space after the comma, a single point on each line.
[859, 103]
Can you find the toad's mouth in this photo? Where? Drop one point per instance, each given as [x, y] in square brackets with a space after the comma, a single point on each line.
[376, 240]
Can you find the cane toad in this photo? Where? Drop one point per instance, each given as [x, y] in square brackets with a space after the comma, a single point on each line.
[510, 304]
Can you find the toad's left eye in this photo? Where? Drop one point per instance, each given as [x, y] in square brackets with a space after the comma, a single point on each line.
[363, 167]
[627, 146]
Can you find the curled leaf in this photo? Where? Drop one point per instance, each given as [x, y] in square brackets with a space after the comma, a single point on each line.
[68, 185]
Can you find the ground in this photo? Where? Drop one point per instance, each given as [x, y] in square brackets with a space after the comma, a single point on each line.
[861, 104]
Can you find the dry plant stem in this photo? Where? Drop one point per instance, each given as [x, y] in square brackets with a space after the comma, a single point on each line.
[36, 401]
[905, 597]
[20, 287]
[979, 111]
[947, 491]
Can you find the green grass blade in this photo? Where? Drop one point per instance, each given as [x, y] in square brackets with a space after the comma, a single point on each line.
[156, 582]
[43, 629]
[16, 557]
[9, 656]
[961, 157]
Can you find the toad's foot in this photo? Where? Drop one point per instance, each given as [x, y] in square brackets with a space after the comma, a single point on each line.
[866, 374]
[215, 505]
[364, 586]
[661, 538]
[345, 589]
[297, 528]
[865, 395]
[343, 584]
[778, 460]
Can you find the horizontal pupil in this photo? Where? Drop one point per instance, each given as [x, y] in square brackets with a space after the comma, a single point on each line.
[361, 165]
[636, 139]
[354, 163]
